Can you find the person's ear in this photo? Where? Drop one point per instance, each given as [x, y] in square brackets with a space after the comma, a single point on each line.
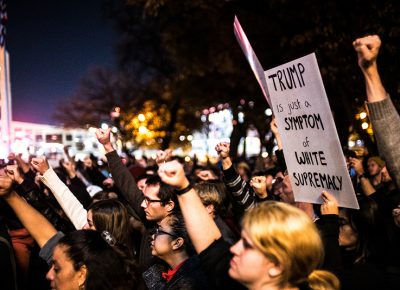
[169, 206]
[210, 208]
[82, 273]
[178, 243]
[274, 270]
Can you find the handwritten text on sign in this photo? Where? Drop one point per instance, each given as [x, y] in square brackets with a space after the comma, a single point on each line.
[311, 146]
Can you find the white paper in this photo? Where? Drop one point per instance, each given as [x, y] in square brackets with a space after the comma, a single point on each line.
[312, 150]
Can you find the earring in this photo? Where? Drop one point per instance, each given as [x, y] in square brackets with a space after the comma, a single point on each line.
[82, 287]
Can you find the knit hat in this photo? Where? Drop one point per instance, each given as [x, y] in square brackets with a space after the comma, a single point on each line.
[378, 161]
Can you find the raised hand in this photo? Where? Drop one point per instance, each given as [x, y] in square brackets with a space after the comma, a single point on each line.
[5, 186]
[103, 135]
[259, 184]
[222, 150]
[274, 127]
[330, 204]
[11, 156]
[13, 172]
[172, 173]
[40, 164]
[357, 165]
[104, 138]
[163, 156]
[367, 49]
[206, 175]
[69, 167]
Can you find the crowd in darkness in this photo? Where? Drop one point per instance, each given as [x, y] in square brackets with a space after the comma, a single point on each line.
[170, 224]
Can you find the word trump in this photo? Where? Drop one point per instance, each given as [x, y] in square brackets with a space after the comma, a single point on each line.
[289, 78]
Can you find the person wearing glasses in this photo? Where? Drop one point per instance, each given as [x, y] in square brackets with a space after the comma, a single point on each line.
[170, 242]
[156, 202]
[280, 247]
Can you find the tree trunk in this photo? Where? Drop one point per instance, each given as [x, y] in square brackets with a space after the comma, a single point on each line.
[171, 126]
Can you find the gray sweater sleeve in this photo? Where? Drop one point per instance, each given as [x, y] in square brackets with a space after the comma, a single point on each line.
[386, 123]
[46, 252]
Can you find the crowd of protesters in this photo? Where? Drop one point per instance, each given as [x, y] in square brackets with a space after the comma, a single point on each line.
[169, 224]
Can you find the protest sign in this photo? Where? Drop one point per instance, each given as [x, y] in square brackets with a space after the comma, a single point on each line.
[311, 146]
[251, 58]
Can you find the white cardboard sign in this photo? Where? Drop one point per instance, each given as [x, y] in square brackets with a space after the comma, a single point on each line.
[313, 153]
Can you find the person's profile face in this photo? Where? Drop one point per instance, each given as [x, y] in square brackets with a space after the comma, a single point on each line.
[152, 205]
[248, 265]
[348, 237]
[62, 275]
[162, 240]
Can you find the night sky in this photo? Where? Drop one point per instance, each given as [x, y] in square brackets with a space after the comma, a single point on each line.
[51, 46]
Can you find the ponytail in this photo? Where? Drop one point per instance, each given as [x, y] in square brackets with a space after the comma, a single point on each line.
[323, 280]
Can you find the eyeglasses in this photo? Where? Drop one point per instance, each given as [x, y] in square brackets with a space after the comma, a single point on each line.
[157, 231]
[149, 200]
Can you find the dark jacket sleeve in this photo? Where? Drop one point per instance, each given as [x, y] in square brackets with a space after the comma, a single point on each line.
[239, 189]
[281, 160]
[328, 226]
[78, 188]
[126, 184]
[214, 262]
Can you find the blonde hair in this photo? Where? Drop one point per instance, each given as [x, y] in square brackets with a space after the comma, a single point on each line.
[323, 280]
[287, 237]
[209, 194]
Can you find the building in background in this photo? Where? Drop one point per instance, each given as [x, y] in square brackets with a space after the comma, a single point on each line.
[5, 101]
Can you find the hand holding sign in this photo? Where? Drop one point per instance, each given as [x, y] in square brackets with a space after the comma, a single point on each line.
[330, 205]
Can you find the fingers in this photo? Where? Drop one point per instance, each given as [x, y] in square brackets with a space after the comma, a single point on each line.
[221, 145]
[103, 133]
[328, 198]
[11, 156]
[36, 161]
[370, 41]
[396, 212]
[11, 170]
[258, 181]
[5, 182]
[169, 168]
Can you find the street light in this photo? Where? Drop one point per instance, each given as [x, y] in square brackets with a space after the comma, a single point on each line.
[143, 130]
[363, 115]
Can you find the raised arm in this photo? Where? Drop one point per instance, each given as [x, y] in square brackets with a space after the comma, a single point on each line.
[382, 113]
[366, 185]
[367, 49]
[328, 225]
[275, 131]
[67, 200]
[239, 189]
[21, 163]
[120, 173]
[201, 227]
[36, 224]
